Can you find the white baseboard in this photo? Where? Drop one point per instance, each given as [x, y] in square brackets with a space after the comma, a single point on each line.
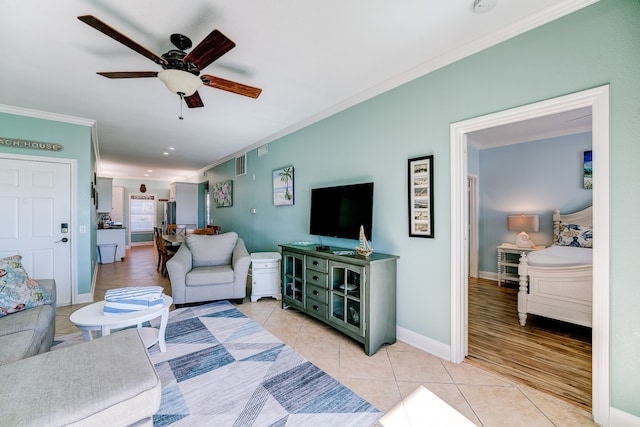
[488, 275]
[427, 344]
[618, 418]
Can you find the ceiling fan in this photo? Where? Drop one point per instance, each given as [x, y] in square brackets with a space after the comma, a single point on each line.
[181, 70]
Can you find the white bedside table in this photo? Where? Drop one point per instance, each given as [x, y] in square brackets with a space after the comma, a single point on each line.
[265, 275]
[508, 260]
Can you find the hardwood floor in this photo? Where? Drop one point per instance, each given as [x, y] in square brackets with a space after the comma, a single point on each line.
[548, 355]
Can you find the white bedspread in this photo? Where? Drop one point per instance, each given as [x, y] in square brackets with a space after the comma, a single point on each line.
[558, 256]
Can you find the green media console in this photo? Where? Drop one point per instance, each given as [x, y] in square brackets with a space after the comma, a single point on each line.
[354, 294]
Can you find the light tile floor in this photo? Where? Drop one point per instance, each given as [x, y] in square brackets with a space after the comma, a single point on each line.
[385, 378]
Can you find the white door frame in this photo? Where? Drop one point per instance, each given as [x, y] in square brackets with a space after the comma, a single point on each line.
[473, 192]
[73, 233]
[598, 100]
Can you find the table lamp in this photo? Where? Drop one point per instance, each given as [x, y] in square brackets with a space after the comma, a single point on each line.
[523, 223]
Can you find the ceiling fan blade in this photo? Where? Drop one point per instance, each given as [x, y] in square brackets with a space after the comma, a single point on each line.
[118, 36]
[194, 101]
[228, 85]
[211, 48]
[128, 74]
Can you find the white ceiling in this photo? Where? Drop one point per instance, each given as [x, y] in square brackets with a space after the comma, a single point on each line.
[560, 124]
[311, 58]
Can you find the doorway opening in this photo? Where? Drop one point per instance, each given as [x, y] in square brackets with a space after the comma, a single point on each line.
[598, 100]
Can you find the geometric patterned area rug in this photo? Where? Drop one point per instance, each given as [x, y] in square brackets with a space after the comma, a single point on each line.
[223, 369]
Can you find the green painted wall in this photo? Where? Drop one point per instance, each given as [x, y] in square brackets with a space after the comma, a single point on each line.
[373, 140]
[77, 143]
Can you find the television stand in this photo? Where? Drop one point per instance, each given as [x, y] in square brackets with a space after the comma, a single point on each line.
[354, 294]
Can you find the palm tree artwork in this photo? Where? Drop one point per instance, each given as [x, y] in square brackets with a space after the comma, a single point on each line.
[283, 186]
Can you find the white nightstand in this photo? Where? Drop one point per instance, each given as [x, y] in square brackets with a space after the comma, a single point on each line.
[265, 275]
[508, 260]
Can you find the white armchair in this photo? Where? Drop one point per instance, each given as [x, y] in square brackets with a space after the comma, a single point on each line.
[209, 268]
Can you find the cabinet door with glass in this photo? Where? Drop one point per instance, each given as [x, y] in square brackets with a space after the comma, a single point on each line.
[293, 279]
[346, 296]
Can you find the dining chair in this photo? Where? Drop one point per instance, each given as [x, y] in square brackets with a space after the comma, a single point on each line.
[157, 234]
[164, 252]
[216, 228]
[172, 229]
[209, 231]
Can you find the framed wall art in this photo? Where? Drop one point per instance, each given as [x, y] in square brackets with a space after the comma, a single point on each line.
[283, 193]
[421, 197]
[223, 194]
[587, 180]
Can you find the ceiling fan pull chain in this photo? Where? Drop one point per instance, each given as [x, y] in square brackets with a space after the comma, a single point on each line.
[181, 98]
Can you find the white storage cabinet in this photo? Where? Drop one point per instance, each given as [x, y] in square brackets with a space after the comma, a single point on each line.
[265, 275]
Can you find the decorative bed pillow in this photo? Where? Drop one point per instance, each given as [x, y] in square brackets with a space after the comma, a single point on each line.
[17, 290]
[575, 235]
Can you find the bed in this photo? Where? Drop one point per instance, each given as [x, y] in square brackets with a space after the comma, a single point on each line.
[556, 282]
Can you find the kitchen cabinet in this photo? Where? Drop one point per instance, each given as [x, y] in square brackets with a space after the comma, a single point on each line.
[103, 188]
[185, 194]
[117, 204]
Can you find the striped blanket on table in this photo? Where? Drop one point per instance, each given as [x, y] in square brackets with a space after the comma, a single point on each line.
[126, 300]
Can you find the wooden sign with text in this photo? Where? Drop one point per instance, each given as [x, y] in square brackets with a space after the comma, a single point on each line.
[25, 143]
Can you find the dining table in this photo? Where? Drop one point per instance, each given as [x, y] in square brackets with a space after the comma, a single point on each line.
[173, 239]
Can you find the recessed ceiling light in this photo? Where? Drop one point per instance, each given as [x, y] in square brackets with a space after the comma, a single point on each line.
[171, 148]
[165, 153]
[149, 170]
[482, 6]
[146, 174]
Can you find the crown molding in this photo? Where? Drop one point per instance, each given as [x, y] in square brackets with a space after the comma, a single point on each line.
[19, 111]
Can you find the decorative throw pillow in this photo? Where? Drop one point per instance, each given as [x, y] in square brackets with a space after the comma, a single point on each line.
[575, 235]
[17, 290]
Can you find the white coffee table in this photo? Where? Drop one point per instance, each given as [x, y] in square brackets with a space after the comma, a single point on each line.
[92, 318]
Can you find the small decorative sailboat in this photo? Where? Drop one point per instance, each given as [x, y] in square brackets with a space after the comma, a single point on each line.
[365, 248]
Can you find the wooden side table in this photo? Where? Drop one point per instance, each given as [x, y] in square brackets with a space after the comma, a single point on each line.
[508, 260]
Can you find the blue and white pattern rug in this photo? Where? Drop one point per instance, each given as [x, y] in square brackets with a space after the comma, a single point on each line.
[223, 369]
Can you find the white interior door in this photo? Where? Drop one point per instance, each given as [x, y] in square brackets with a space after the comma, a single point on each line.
[36, 201]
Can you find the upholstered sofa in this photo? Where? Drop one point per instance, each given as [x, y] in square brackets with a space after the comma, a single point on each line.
[209, 268]
[29, 332]
[105, 382]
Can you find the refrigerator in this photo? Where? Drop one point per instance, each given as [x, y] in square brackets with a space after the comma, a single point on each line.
[169, 214]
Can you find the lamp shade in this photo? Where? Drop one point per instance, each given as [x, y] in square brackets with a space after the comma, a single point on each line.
[523, 223]
[178, 81]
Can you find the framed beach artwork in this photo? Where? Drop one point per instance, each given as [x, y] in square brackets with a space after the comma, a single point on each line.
[223, 194]
[421, 197]
[587, 179]
[283, 193]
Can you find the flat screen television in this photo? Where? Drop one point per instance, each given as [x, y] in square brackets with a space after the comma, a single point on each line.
[340, 211]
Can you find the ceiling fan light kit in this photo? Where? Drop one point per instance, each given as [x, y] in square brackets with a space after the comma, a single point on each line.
[180, 82]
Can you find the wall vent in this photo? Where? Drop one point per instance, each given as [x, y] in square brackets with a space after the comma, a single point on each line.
[241, 165]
